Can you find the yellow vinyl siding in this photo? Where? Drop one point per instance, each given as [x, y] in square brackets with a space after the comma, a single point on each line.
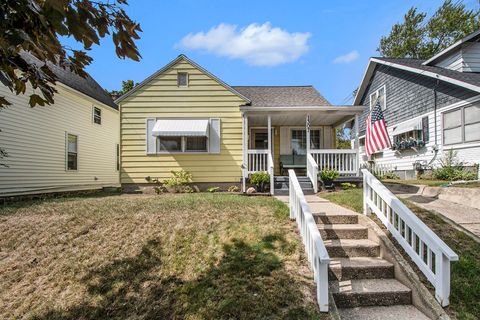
[161, 98]
[35, 141]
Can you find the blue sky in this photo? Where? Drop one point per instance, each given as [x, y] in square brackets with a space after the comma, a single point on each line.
[323, 43]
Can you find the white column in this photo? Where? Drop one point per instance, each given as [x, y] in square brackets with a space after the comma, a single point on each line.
[269, 133]
[357, 144]
[244, 149]
[307, 129]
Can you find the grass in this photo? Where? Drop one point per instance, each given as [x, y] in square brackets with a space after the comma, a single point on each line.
[191, 256]
[431, 183]
[465, 273]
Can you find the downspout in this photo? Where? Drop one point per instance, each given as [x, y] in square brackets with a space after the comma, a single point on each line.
[435, 146]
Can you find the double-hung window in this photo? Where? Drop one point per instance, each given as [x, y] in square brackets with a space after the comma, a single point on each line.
[72, 152]
[461, 125]
[299, 140]
[380, 96]
[97, 115]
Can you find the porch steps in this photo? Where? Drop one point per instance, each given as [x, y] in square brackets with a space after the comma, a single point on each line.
[281, 184]
[362, 283]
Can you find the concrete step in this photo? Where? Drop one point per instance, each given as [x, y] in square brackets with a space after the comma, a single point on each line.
[360, 268]
[342, 231]
[399, 312]
[345, 248]
[335, 218]
[370, 292]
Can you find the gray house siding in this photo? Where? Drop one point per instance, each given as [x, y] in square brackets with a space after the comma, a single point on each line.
[409, 94]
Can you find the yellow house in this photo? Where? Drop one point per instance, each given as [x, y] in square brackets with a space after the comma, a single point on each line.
[183, 117]
[70, 145]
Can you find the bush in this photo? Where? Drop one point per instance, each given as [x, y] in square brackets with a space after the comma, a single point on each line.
[258, 178]
[452, 169]
[213, 189]
[348, 185]
[328, 175]
[233, 189]
[179, 181]
[388, 175]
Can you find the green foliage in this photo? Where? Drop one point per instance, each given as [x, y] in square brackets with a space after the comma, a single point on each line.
[343, 138]
[213, 189]
[127, 85]
[328, 175]
[35, 26]
[417, 38]
[233, 189]
[258, 177]
[452, 169]
[348, 185]
[388, 175]
[179, 181]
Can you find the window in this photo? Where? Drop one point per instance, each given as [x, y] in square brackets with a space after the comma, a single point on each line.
[170, 143]
[461, 125]
[72, 152]
[97, 115]
[379, 94]
[299, 140]
[118, 157]
[195, 144]
[182, 79]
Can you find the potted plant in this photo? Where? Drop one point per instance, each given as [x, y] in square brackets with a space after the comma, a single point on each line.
[260, 180]
[327, 177]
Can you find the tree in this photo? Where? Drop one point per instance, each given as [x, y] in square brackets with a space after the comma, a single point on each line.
[34, 26]
[343, 136]
[420, 39]
[127, 85]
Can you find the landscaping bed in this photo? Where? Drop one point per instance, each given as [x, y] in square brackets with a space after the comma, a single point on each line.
[184, 256]
[465, 280]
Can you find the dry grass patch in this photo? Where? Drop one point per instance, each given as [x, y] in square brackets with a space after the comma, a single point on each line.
[192, 256]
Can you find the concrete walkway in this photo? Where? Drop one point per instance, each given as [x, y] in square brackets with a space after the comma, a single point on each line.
[462, 217]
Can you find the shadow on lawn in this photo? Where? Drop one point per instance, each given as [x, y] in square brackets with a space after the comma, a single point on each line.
[248, 283]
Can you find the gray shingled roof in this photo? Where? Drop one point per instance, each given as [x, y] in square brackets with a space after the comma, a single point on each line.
[467, 77]
[87, 86]
[282, 96]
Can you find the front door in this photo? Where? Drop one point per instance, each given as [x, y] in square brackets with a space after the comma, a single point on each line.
[259, 139]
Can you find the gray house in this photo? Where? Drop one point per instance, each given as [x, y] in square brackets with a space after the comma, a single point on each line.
[430, 106]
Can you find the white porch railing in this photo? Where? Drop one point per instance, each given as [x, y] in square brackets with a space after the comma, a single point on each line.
[425, 248]
[377, 168]
[312, 172]
[270, 172]
[257, 160]
[316, 252]
[342, 160]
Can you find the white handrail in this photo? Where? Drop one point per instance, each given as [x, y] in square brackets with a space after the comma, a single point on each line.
[425, 248]
[270, 172]
[312, 172]
[345, 161]
[316, 252]
[257, 160]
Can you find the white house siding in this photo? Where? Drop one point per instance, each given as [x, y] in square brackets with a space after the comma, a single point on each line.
[35, 141]
[403, 161]
[453, 61]
[471, 57]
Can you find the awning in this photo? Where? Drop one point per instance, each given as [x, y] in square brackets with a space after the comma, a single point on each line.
[407, 126]
[181, 127]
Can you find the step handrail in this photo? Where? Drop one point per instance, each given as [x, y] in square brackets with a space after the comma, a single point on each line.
[312, 171]
[315, 248]
[425, 248]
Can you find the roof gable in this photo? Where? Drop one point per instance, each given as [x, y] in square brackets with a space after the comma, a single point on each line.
[171, 64]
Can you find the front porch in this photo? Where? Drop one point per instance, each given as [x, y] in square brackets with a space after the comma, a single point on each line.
[277, 139]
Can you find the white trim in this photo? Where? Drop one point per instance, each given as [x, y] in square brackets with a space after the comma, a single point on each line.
[188, 79]
[93, 115]
[83, 95]
[384, 87]
[347, 110]
[67, 133]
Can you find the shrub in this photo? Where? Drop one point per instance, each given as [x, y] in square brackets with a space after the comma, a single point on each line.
[213, 189]
[348, 185]
[259, 177]
[452, 169]
[388, 175]
[233, 189]
[179, 181]
[328, 175]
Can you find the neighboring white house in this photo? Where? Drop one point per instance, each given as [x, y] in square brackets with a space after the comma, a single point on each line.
[430, 107]
[72, 144]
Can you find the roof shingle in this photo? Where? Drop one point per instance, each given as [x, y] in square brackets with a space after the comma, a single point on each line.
[282, 96]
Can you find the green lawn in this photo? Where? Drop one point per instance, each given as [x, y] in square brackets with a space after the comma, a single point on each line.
[465, 276]
[191, 256]
[431, 183]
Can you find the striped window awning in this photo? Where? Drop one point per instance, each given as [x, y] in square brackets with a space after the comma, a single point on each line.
[181, 127]
[407, 126]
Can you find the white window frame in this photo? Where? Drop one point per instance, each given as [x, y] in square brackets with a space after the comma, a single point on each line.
[93, 115]
[376, 92]
[462, 125]
[187, 79]
[66, 151]
[317, 128]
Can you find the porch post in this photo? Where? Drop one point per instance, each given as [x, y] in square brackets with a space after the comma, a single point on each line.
[269, 133]
[357, 144]
[307, 130]
[244, 149]
[270, 155]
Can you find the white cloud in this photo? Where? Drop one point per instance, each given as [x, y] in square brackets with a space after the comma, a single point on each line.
[347, 58]
[260, 45]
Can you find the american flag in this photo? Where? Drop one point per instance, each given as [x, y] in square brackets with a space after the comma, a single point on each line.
[376, 136]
